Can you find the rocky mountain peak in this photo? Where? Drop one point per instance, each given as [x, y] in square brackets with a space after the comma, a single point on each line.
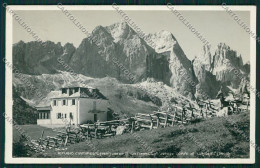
[204, 58]
[118, 51]
[225, 62]
[163, 40]
[102, 32]
[225, 57]
[101, 35]
[21, 42]
[69, 47]
[223, 46]
[120, 30]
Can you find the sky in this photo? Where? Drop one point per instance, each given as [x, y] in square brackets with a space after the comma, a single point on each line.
[216, 26]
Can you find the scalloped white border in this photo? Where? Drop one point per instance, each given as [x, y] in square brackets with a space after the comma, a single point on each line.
[9, 101]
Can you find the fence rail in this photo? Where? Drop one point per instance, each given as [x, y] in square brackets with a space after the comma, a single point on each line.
[178, 115]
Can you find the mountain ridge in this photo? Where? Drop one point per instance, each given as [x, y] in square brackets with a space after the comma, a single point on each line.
[167, 62]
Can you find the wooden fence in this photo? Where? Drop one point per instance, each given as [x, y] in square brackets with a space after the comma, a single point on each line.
[177, 115]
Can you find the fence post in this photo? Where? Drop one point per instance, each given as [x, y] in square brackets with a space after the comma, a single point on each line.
[173, 119]
[88, 133]
[206, 110]
[157, 124]
[182, 113]
[151, 127]
[41, 137]
[66, 140]
[96, 133]
[47, 144]
[166, 118]
[133, 125]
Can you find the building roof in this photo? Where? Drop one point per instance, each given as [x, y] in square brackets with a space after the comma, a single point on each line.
[96, 111]
[76, 86]
[43, 108]
[85, 92]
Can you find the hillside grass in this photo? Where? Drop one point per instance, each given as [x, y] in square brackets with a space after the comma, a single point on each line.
[33, 131]
[22, 112]
[212, 138]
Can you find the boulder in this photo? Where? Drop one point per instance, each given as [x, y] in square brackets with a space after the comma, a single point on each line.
[222, 112]
[120, 130]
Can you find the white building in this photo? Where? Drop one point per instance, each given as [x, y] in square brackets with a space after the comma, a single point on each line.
[74, 105]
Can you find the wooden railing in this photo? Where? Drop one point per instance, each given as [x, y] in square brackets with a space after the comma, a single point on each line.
[177, 115]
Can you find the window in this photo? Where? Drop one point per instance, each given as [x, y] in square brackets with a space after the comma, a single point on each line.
[76, 90]
[64, 91]
[54, 102]
[73, 101]
[44, 115]
[59, 116]
[63, 102]
[94, 105]
[65, 116]
[71, 91]
[95, 117]
[71, 116]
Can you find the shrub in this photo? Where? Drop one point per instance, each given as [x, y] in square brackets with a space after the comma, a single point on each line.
[20, 149]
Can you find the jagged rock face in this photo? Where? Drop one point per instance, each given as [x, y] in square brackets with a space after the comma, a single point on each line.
[163, 40]
[132, 51]
[246, 68]
[158, 67]
[183, 77]
[224, 69]
[115, 43]
[206, 58]
[171, 66]
[207, 86]
[68, 51]
[120, 31]
[224, 52]
[92, 56]
[36, 58]
[104, 42]
[244, 87]
[117, 51]
[225, 62]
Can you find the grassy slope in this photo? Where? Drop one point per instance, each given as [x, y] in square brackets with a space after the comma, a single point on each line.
[22, 112]
[215, 135]
[34, 131]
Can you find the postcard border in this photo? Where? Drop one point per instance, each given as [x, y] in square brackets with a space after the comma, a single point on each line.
[8, 95]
